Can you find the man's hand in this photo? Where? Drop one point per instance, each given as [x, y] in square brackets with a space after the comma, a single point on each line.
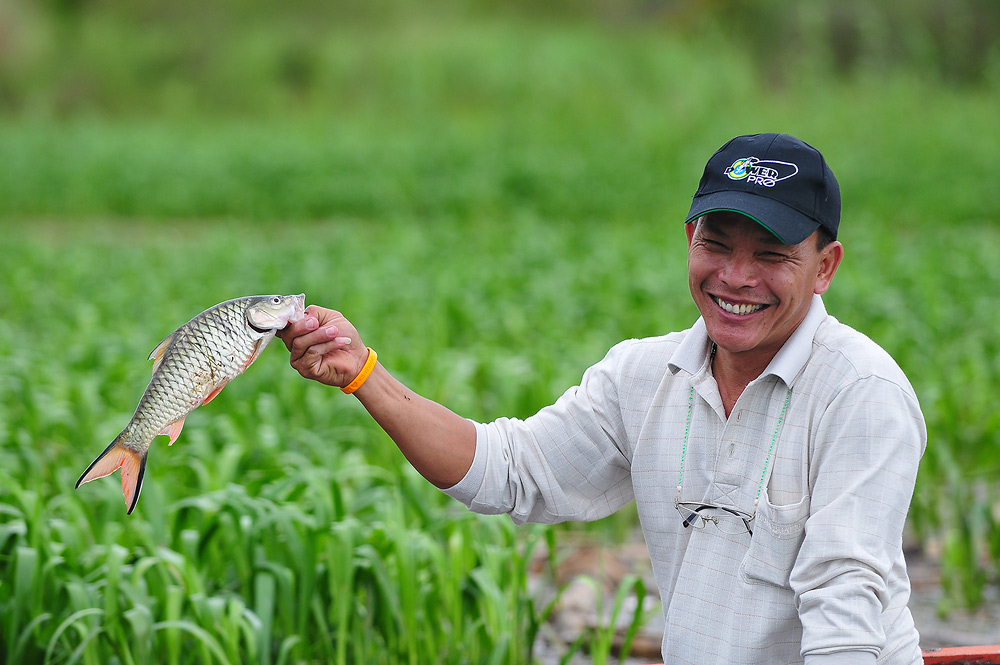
[325, 347]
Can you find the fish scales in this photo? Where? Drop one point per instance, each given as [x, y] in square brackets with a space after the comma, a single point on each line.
[192, 365]
[204, 353]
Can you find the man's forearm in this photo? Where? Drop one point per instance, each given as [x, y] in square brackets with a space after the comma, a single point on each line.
[439, 443]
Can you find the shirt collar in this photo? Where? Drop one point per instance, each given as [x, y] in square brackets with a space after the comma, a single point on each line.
[693, 352]
[692, 355]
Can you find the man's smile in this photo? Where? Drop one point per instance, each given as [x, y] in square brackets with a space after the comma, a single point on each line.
[740, 309]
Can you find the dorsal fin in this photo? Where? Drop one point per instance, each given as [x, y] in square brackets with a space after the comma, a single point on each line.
[156, 354]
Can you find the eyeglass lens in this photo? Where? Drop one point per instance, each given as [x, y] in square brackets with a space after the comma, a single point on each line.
[725, 519]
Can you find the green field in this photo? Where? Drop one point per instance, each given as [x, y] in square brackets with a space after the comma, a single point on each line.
[494, 202]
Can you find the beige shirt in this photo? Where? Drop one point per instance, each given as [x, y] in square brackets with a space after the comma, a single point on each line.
[822, 579]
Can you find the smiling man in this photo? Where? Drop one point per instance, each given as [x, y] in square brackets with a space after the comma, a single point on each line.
[771, 450]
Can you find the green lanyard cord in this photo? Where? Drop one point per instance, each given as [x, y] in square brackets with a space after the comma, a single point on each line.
[770, 452]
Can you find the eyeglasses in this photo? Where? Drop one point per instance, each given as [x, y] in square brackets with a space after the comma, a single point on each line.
[729, 520]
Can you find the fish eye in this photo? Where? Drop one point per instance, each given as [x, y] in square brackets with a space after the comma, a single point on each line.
[275, 300]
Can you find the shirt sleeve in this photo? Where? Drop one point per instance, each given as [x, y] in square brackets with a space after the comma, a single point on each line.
[866, 450]
[567, 462]
[842, 658]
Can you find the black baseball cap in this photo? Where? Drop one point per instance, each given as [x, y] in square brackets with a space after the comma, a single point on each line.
[782, 183]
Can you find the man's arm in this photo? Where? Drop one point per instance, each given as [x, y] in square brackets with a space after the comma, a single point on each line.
[867, 450]
[439, 443]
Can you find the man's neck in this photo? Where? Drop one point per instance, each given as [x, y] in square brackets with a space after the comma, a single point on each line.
[734, 372]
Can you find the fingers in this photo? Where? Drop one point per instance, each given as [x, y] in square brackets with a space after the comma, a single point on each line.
[314, 319]
[321, 342]
[322, 346]
[313, 363]
[330, 362]
[296, 329]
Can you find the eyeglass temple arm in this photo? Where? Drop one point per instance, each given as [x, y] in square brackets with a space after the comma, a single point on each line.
[695, 514]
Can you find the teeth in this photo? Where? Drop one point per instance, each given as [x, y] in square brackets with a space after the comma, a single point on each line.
[740, 310]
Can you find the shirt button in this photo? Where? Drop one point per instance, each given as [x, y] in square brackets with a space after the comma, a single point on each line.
[732, 449]
[739, 415]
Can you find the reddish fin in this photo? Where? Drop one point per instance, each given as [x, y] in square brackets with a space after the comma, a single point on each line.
[173, 430]
[258, 347]
[116, 456]
[215, 391]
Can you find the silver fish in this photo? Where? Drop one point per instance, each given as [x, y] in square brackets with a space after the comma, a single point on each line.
[191, 366]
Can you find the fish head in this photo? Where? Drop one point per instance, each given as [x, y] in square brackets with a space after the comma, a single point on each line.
[270, 313]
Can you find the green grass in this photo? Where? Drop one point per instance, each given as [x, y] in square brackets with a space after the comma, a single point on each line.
[282, 521]
[494, 204]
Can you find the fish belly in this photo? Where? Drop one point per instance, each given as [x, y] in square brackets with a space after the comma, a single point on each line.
[194, 367]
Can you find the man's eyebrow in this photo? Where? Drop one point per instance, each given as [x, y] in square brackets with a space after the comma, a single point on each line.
[769, 238]
[713, 227]
[766, 237]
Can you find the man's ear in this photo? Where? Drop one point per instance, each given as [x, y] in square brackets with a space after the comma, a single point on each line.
[689, 229]
[829, 261]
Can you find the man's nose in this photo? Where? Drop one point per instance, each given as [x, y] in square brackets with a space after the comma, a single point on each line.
[740, 271]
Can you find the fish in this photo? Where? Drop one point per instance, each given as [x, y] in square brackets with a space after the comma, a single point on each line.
[191, 366]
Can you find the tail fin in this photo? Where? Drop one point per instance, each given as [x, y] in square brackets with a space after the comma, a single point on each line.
[118, 456]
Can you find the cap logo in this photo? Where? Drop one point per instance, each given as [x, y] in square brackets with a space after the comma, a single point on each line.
[761, 172]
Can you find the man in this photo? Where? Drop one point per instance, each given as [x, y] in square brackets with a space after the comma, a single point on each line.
[771, 450]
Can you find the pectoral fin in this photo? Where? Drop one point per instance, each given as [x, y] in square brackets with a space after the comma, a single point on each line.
[215, 391]
[259, 346]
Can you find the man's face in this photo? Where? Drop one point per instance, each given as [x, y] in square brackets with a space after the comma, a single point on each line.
[752, 290]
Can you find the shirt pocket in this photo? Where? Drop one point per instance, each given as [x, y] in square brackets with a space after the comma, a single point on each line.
[777, 536]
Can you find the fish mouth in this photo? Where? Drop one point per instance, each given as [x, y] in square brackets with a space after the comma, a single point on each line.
[299, 302]
[739, 309]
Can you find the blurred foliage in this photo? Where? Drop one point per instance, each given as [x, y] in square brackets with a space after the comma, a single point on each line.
[254, 57]
[590, 111]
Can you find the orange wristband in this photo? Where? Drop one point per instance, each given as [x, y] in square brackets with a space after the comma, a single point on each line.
[363, 374]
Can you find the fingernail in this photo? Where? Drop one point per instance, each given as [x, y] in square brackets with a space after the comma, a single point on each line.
[311, 323]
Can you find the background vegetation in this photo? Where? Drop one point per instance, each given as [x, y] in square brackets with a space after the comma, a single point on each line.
[493, 193]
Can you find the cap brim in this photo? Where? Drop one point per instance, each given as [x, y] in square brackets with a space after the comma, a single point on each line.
[787, 224]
